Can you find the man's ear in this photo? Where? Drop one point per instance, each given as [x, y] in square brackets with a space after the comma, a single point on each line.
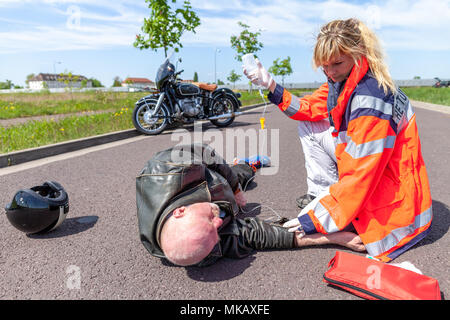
[179, 212]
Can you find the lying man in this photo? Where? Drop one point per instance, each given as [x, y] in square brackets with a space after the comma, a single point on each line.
[187, 200]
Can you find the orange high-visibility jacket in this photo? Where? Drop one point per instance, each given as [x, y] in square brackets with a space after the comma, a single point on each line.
[383, 186]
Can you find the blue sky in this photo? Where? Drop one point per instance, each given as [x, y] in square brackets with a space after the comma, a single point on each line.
[95, 39]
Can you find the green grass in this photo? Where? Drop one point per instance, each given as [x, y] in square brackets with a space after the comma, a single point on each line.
[39, 104]
[38, 133]
[249, 98]
[429, 94]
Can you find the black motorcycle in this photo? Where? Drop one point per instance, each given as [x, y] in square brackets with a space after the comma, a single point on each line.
[178, 101]
[441, 83]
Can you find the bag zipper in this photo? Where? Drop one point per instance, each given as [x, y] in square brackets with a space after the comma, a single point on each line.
[338, 283]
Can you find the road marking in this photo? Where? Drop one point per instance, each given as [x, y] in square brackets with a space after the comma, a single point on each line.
[77, 153]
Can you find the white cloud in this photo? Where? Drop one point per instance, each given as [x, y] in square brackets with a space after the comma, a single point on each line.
[71, 27]
[401, 24]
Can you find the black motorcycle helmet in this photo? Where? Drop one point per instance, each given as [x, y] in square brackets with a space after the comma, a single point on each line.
[38, 209]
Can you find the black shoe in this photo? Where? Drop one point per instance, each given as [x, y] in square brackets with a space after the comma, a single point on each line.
[304, 200]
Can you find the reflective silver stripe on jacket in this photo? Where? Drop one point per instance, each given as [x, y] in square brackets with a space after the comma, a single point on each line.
[392, 239]
[293, 107]
[342, 137]
[369, 102]
[325, 218]
[401, 111]
[357, 151]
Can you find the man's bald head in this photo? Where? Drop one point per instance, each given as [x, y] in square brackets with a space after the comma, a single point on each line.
[190, 234]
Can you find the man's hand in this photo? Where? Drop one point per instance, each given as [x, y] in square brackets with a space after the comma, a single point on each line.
[260, 76]
[240, 199]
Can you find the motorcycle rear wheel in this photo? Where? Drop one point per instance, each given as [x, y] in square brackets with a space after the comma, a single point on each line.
[223, 105]
[145, 122]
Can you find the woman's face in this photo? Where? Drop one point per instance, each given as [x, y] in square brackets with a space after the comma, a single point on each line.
[339, 68]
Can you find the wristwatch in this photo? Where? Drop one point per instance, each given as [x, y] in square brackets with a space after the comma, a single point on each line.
[301, 233]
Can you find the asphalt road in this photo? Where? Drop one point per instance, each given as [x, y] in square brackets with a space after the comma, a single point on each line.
[96, 253]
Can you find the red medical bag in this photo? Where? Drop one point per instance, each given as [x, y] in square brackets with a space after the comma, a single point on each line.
[376, 280]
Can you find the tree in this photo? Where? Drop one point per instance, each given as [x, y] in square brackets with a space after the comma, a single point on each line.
[165, 26]
[29, 77]
[233, 77]
[117, 82]
[68, 78]
[246, 42]
[281, 68]
[195, 76]
[6, 85]
[95, 83]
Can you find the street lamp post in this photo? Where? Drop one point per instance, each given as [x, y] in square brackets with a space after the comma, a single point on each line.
[215, 64]
[54, 63]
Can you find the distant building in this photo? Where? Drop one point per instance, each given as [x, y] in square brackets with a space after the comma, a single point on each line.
[50, 81]
[138, 83]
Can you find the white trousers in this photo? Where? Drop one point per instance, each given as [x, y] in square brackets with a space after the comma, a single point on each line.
[320, 160]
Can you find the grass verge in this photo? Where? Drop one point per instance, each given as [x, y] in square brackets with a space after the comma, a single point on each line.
[429, 94]
[39, 133]
[39, 104]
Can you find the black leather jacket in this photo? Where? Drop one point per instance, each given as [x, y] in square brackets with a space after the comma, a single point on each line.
[188, 174]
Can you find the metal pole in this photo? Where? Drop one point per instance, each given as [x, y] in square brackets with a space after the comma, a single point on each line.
[215, 65]
[54, 68]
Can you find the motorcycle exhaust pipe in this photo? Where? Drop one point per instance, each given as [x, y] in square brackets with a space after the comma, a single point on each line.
[225, 116]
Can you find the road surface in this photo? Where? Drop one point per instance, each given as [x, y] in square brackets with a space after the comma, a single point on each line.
[96, 253]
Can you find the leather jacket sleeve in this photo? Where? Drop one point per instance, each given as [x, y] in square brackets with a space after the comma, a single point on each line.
[254, 234]
[205, 154]
[225, 171]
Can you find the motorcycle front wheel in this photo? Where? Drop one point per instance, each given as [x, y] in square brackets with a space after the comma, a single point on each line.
[223, 105]
[148, 123]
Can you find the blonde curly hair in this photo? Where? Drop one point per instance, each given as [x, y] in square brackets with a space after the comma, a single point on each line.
[354, 38]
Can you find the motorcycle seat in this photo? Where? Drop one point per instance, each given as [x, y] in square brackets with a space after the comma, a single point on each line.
[205, 86]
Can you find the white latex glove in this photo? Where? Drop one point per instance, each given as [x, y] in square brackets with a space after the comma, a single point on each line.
[260, 76]
[293, 225]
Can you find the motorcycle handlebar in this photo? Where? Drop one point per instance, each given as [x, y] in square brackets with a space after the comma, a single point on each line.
[174, 76]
